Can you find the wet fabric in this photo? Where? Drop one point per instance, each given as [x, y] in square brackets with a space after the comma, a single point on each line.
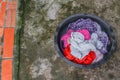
[92, 27]
[78, 37]
[76, 52]
[95, 41]
[85, 32]
[88, 59]
[88, 24]
[84, 40]
[99, 56]
[78, 44]
[66, 37]
[102, 36]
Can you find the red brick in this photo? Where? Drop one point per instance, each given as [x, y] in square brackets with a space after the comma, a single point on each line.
[0, 0]
[9, 18]
[2, 14]
[12, 5]
[6, 73]
[11, 14]
[13, 19]
[8, 42]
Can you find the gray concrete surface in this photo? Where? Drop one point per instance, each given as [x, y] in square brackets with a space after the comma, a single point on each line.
[38, 58]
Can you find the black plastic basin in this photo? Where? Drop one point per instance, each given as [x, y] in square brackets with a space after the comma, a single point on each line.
[61, 29]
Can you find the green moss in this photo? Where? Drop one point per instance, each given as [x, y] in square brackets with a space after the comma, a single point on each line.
[18, 35]
[17, 42]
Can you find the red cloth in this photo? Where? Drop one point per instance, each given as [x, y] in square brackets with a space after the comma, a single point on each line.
[88, 59]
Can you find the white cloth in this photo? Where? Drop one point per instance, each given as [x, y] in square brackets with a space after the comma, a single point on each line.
[94, 40]
[79, 47]
[75, 52]
[77, 36]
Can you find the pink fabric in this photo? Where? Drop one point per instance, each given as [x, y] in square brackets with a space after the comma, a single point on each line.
[66, 37]
[85, 32]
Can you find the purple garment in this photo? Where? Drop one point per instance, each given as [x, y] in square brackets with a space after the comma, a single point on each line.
[88, 24]
[103, 37]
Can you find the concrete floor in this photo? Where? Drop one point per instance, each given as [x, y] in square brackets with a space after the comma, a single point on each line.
[38, 58]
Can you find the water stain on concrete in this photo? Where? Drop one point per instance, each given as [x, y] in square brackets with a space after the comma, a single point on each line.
[41, 67]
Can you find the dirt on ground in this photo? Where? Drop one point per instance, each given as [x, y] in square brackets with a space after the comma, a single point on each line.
[38, 58]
